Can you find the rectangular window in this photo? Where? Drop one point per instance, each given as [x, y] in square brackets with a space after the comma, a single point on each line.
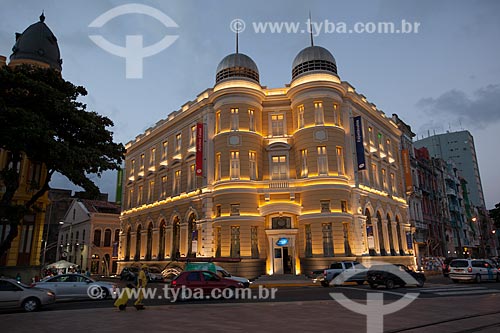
[384, 180]
[235, 209]
[163, 187]
[130, 197]
[318, 113]
[337, 115]
[235, 165]
[139, 195]
[300, 121]
[218, 211]
[252, 158]
[308, 249]
[178, 143]
[192, 177]
[235, 241]
[343, 206]
[347, 247]
[375, 175]
[151, 190]
[325, 206]
[152, 157]
[393, 184]
[177, 182]
[327, 240]
[279, 167]
[141, 165]
[235, 122]
[192, 136]
[251, 120]
[217, 122]
[370, 136]
[388, 147]
[322, 161]
[218, 242]
[380, 141]
[304, 171]
[277, 125]
[340, 160]
[164, 150]
[217, 167]
[132, 167]
[254, 241]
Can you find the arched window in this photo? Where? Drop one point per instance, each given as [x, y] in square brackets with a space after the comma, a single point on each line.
[161, 243]
[193, 235]
[117, 236]
[383, 252]
[138, 243]
[97, 237]
[149, 244]
[370, 236]
[391, 237]
[176, 238]
[127, 246]
[107, 238]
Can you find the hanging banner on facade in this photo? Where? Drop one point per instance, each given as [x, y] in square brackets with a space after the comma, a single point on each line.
[409, 240]
[360, 150]
[199, 149]
[405, 155]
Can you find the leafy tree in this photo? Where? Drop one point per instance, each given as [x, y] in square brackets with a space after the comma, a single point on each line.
[495, 215]
[40, 118]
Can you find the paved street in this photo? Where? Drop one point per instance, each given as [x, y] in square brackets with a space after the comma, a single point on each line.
[442, 306]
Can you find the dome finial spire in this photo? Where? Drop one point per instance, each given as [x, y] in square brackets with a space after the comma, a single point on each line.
[237, 31]
[42, 17]
[310, 29]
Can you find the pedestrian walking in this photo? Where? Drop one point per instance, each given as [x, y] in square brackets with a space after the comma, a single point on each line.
[142, 282]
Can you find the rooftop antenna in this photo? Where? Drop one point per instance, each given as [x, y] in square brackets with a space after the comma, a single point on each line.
[310, 29]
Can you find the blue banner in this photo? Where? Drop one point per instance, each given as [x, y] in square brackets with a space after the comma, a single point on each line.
[360, 149]
[409, 240]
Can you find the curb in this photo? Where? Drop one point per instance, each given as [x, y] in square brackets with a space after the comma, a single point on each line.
[282, 285]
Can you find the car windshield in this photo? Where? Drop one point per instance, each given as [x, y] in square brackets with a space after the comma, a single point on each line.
[459, 263]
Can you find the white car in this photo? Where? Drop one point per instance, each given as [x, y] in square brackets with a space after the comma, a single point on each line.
[73, 286]
[476, 270]
[154, 274]
[225, 274]
[14, 294]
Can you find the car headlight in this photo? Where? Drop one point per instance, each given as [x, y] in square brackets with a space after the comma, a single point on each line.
[51, 294]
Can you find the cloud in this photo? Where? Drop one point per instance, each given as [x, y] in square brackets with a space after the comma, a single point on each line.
[478, 111]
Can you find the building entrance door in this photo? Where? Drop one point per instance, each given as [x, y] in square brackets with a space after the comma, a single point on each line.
[282, 260]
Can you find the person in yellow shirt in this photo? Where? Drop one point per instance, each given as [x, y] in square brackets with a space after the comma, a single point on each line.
[142, 282]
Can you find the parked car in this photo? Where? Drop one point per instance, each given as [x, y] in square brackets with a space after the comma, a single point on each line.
[476, 270]
[154, 274]
[225, 274]
[354, 272]
[392, 275]
[446, 266]
[129, 273]
[73, 286]
[14, 294]
[204, 280]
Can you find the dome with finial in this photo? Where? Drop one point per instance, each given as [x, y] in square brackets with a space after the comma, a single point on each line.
[237, 65]
[313, 59]
[37, 43]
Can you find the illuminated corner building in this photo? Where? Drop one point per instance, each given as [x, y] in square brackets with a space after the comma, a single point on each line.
[279, 190]
[36, 46]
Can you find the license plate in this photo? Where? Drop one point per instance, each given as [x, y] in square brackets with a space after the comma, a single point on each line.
[459, 270]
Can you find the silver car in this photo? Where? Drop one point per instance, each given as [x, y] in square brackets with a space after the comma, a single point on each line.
[73, 286]
[14, 294]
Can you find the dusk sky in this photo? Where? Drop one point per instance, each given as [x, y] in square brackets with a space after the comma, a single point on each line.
[444, 77]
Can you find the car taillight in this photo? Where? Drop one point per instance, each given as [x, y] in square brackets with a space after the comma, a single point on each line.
[174, 283]
[469, 269]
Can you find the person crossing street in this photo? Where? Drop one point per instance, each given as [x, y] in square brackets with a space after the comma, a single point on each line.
[142, 282]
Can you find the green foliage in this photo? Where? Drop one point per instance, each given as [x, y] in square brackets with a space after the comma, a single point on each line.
[40, 116]
[495, 215]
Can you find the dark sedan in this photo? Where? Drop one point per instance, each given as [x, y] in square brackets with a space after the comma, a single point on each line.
[391, 275]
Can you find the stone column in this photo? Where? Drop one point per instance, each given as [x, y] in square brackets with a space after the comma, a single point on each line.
[155, 244]
[133, 241]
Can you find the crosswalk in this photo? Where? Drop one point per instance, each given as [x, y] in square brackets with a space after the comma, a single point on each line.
[456, 290]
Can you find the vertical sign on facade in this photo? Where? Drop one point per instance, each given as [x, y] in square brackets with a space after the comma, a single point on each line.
[199, 149]
[407, 169]
[360, 150]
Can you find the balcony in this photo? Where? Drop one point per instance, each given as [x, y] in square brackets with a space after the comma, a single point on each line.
[279, 184]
